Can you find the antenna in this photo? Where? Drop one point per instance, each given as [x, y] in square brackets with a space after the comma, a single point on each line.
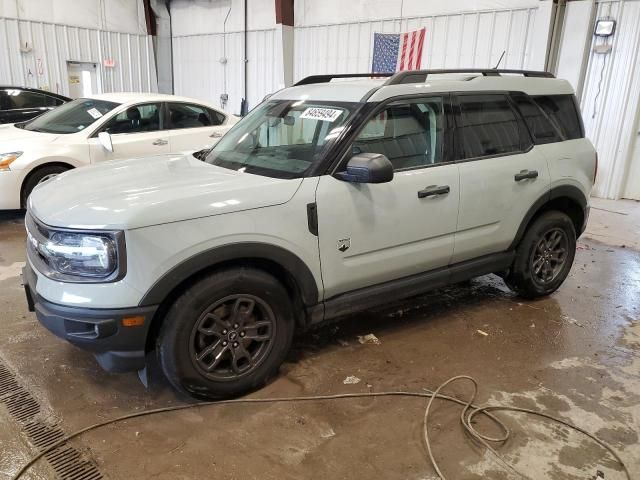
[500, 60]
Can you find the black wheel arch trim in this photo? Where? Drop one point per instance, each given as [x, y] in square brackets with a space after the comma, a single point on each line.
[226, 253]
[568, 191]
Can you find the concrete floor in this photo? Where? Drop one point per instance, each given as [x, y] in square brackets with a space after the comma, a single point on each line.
[575, 354]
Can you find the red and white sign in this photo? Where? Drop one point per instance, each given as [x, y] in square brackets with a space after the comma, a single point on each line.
[109, 62]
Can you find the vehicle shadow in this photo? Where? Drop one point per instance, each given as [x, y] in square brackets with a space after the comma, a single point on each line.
[12, 216]
[402, 314]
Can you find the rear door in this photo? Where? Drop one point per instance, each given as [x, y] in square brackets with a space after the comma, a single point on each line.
[375, 233]
[135, 132]
[555, 123]
[193, 127]
[501, 174]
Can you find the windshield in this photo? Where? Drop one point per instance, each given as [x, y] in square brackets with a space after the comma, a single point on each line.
[70, 117]
[281, 138]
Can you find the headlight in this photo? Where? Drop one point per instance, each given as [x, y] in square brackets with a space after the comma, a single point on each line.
[7, 158]
[75, 256]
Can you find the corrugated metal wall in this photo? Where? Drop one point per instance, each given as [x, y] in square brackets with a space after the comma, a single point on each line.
[53, 45]
[474, 39]
[198, 71]
[611, 98]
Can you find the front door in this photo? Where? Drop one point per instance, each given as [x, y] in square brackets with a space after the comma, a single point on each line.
[374, 233]
[501, 175]
[135, 132]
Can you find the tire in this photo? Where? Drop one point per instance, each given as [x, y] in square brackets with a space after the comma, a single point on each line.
[206, 352]
[538, 269]
[37, 177]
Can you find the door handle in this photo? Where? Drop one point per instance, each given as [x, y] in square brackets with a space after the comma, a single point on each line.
[524, 174]
[160, 141]
[433, 191]
[216, 135]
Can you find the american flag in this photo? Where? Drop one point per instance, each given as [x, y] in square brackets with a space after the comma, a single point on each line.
[393, 52]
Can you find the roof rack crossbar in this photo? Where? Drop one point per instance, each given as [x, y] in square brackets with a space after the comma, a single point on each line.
[419, 76]
[330, 76]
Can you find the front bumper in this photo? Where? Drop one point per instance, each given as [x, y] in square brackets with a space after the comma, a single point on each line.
[10, 184]
[117, 348]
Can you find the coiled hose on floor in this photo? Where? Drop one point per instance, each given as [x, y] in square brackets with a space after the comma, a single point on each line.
[468, 413]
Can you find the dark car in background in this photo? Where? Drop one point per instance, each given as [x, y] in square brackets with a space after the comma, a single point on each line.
[18, 104]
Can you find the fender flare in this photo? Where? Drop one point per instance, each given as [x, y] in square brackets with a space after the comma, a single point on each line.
[199, 262]
[567, 191]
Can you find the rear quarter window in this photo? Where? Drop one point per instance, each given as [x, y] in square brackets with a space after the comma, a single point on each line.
[217, 118]
[541, 127]
[563, 113]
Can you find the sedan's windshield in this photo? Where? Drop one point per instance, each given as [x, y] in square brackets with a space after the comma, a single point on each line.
[71, 117]
[281, 138]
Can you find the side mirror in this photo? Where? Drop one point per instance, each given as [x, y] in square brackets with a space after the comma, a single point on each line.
[367, 168]
[105, 141]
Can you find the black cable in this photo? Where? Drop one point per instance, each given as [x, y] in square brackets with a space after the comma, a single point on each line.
[465, 418]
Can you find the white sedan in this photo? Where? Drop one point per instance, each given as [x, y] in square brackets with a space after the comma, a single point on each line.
[104, 127]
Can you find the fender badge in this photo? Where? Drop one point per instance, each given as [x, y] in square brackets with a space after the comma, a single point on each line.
[344, 244]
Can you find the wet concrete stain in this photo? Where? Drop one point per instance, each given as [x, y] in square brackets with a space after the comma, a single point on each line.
[575, 354]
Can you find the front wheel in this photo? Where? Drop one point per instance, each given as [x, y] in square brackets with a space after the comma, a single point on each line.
[41, 175]
[227, 334]
[544, 256]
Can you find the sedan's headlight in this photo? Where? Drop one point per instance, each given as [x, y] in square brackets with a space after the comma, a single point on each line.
[75, 256]
[7, 159]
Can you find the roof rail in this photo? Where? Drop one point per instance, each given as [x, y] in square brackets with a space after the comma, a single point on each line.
[330, 76]
[419, 76]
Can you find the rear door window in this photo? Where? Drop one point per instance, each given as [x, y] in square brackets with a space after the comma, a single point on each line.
[187, 115]
[14, 99]
[24, 99]
[489, 126]
[563, 112]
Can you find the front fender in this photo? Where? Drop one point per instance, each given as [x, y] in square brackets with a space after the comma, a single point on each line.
[237, 251]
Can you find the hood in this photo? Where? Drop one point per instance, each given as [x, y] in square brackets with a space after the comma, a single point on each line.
[129, 194]
[13, 138]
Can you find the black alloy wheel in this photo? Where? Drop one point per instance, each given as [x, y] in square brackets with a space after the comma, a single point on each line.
[549, 256]
[232, 337]
[227, 333]
[544, 256]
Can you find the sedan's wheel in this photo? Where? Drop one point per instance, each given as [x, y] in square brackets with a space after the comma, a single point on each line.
[544, 256]
[37, 177]
[47, 177]
[227, 334]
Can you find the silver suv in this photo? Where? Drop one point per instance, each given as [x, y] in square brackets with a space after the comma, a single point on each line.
[338, 194]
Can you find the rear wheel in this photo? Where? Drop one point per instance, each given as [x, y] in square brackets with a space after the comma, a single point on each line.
[227, 334]
[37, 177]
[544, 256]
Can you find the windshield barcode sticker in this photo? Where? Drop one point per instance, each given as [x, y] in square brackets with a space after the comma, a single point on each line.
[95, 113]
[322, 114]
